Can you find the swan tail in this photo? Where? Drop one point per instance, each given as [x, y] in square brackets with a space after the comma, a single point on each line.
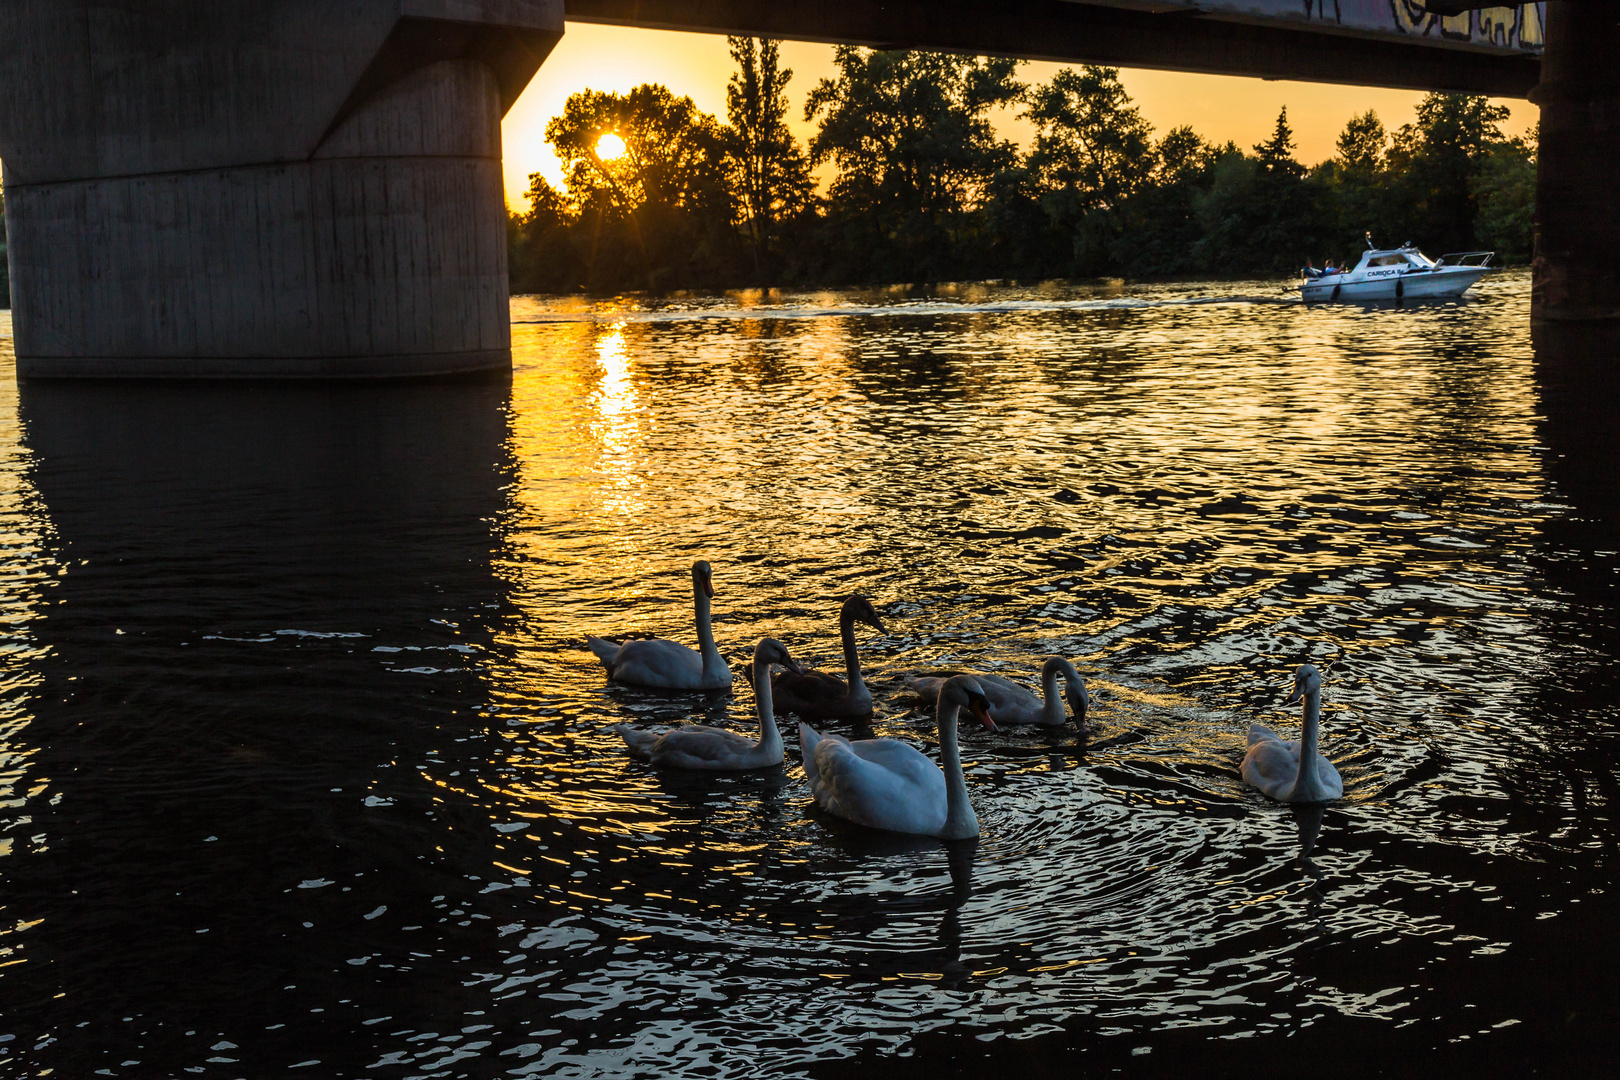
[807, 747]
[605, 650]
[641, 743]
[1258, 734]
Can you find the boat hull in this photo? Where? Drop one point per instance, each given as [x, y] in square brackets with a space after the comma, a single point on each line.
[1446, 283]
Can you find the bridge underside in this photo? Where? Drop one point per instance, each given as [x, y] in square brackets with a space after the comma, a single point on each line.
[1071, 32]
[303, 189]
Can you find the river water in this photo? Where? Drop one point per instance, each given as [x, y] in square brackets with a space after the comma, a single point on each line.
[304, 768]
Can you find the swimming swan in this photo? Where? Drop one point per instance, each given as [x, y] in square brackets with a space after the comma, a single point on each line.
[669, 664]
[711, 749]
[816, 695]
[1293, 771]
[1012, 703]
[888, 784]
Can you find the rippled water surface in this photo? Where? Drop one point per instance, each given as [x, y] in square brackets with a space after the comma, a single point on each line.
[303, 763]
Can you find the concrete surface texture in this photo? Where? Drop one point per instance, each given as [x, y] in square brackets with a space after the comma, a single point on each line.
[1394, 43]
[264, 188]
[1577, 217]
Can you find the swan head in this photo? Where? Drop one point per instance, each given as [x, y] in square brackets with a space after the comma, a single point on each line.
[1079, 700]
[860, 609]
[703, 577]
[1074, 687]
[964, 692]
[1307, 681]
[770, 651]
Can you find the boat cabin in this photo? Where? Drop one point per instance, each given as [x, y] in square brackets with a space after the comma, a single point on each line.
[1406, 256]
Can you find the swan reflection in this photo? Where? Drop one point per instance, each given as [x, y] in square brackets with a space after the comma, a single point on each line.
[1308, 818]
[891, 936]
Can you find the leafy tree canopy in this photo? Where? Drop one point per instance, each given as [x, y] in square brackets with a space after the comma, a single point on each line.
[1276, 154]
[1434, 163]
[1361, 145]
[770, 174]
[673, 154]
[924, 190]
[1090, 140]
[911, 130]
[1184, 154]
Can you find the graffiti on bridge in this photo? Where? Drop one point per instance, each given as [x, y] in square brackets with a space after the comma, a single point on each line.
[1513, 27]
[1516, 27]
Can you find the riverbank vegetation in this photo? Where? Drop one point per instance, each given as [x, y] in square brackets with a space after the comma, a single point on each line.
[658, 195]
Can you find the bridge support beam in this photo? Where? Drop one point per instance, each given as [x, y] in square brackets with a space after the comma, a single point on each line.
[1577, 265]
[261, 189]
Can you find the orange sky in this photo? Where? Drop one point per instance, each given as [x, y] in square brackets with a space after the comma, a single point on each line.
[1218, 107]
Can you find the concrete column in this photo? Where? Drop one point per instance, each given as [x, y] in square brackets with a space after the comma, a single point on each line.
[1577, 264]
[261, 189]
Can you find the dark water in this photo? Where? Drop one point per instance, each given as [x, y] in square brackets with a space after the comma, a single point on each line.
[303, 769]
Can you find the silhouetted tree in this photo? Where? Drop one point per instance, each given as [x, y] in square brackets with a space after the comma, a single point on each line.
[911, 137]
[1357, 183]
[1433, 165]
[1505, 191]
[1092, 151]
[1276, 154]
[925, 190]
[1262, 213]
[1362, 144]
[664, 203]
[770, 173]
[540, 242]
[1161, 227]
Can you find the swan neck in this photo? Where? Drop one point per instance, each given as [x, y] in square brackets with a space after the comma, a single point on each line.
[705, 630]
[1307, 785]
[770, 739]
[852, 660]
[1052, 714]
[960, 820]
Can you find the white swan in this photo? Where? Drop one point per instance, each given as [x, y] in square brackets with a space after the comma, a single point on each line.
[888, 784]
[1013, 703]
[1293, 771]
[711, 749]
[669, 664]
[816, 695]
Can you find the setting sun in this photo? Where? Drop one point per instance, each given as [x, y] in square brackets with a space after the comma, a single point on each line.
[610, 147]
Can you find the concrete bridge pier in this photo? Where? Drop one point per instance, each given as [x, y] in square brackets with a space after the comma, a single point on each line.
[1577, 263]
[265, 188]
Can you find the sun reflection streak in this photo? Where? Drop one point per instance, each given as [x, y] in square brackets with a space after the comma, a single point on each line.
[616, 395]
[617, 428]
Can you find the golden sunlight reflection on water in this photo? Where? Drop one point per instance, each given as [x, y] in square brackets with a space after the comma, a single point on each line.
[1187, 498]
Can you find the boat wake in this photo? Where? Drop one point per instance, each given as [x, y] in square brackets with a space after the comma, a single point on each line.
[928, 309]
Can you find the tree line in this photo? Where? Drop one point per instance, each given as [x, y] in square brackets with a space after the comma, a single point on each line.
[923, 189]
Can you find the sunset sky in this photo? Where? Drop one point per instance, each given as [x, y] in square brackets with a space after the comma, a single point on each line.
[1217, 107]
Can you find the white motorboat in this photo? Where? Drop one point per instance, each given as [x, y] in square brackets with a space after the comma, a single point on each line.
[1395, 274]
